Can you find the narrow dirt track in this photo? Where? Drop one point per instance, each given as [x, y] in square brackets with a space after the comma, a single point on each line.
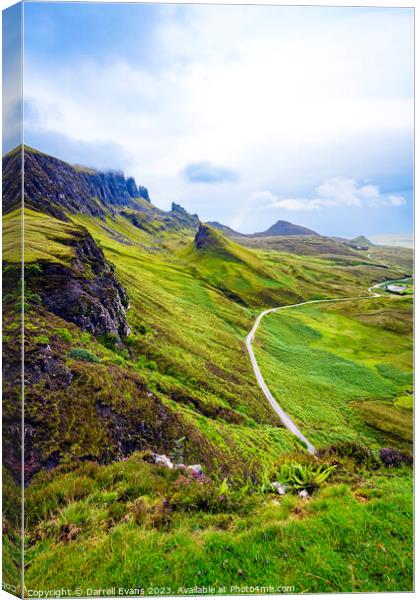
[286, 420]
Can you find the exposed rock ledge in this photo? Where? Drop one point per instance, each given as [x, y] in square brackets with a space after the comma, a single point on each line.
[86, 293]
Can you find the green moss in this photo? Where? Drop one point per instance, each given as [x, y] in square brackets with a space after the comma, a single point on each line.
[64, 334]
[83, 355]
[41, 339]
[45, 238]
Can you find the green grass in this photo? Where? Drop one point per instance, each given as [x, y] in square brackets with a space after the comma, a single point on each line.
[124, 526]
[388, 418]
[335, 371]
[45, 238]
[185, 370]
[400, 258]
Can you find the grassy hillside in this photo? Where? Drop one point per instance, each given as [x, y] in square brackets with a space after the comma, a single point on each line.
[341, 370]
[134, 525]
[173, 351]
[304, 245]
[150, 350]
[401, 258]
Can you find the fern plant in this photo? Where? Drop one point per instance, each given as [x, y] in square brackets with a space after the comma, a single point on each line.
[300, 477]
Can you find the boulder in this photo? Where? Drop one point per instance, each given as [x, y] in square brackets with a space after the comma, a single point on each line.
[144, 193]
[279, 488]
[195, 469]
[162, 459]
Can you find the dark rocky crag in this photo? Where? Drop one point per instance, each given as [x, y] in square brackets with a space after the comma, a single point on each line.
[204, 238]
[113, 189]
[86, 293]
[55, 187]
[183, 217]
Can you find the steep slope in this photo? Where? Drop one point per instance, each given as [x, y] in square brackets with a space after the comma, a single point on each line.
[59, 189]
[86, 397]
[99, 401]
[103, 381]
[56, 188]
[181, 343]
[234, 270]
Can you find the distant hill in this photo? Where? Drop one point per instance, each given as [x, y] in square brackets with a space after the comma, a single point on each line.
[225, 228]
[210, 242]
[286, 228]
[278, 229]
[360, 240]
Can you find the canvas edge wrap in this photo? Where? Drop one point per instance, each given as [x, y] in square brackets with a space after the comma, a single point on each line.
[13, 302]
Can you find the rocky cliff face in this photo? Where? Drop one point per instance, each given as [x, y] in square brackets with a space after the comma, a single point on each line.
[144, 193]
[183, 217]
[86, 293]
[204, 238]
[55, 187]
[12, 181]
[113, 189]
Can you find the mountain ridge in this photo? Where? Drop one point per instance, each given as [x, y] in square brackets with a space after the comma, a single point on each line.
[56, 187]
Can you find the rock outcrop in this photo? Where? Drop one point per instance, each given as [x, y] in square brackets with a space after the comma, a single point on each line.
[144, 193]
[185, 218]
[225, 229]
[55, 187]
[204, 237]
[86, 293]
[113, 189]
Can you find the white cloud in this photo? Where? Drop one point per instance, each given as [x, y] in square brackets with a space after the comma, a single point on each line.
[264, 196]
[298, 204]
[337, 191]
[395, 200]
[284, 97]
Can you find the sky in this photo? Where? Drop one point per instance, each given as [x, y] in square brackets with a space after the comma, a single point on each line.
[242, 114]
[12, 131]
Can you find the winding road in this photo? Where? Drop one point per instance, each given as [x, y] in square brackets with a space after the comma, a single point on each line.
[286, 420]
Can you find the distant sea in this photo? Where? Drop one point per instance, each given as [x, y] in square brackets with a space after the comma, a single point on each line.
[405, 240]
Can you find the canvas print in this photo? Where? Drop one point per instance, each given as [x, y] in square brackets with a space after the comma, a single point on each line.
[207, 299]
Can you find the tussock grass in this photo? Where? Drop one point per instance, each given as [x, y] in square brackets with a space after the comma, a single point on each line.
[134, 528]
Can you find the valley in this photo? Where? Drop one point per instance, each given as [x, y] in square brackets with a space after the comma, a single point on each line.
[136, 325]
